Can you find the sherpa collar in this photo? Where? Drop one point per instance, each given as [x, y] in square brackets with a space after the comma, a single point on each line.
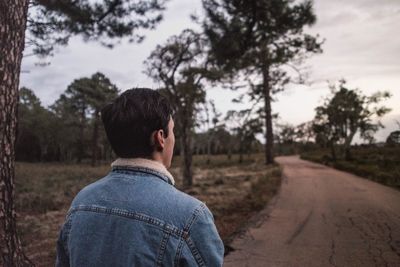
[145, 163]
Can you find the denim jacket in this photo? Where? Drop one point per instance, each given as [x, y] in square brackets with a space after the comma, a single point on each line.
[136, 217]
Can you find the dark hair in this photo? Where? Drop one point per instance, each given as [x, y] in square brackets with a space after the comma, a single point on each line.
[132, 117]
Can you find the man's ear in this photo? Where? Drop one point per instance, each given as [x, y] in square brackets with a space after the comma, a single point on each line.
[158, 139]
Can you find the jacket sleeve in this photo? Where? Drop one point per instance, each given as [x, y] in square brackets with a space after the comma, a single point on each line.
[204, 241]
[62, 259]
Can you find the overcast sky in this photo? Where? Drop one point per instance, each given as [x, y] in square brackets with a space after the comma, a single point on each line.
[362, 45]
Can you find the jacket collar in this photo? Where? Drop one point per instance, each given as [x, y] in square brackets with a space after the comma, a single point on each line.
[143, 163]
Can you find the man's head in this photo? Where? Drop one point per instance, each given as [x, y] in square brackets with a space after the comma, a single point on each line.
[139, 124]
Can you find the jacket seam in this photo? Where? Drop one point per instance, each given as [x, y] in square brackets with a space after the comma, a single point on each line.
[194, 216]
[185, 237]
[178, 252]
[173, 230]
[195, 252]
[163, 246]
[66, 232]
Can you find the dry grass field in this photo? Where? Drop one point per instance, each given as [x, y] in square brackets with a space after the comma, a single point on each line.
[233, 192]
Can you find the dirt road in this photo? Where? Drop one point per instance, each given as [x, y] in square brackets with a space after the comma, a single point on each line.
[323, 217]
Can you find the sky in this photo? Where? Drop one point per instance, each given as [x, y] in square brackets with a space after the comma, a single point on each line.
[362, 45]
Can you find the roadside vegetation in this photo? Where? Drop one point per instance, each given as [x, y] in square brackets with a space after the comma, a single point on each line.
[329, 137]
[233, 192]
[344, 114]
[379, 164]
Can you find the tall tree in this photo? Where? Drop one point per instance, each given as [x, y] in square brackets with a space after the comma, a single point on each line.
[346, 113]
[263, 38]
[77, 104]
[209, 118]
[70, 124]
[245, 125]
[80, 104]
[53, 21]
[35, 140]
[287, 133]
[99, 91]
[181, 67]
[12, 33]
[304, 132]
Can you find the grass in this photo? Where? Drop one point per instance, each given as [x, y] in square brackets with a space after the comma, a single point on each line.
[379, 164]
[44, 191]
[43, 187]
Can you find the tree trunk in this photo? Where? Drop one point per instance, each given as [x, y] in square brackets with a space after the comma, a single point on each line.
[333, 153]
[269, 135]
[81, 142]
[13, 16]
[347, 153]
[229, 154]
[249, 150]
[186, 157]
[95, 138]
[240, 151]
[240, 156]
[209, 150]
[347, 146]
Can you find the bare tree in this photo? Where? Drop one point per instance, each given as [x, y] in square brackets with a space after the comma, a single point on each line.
[180, 65]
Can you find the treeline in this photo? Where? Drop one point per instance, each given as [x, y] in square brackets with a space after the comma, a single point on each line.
[70, 130]
[345, 114]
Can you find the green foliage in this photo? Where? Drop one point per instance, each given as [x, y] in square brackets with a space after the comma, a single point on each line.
[291, 140]
[35, 140]
[304, 132]
[393, 139]
[262, 40]
[223, 143]
[70, 128]
[347, 112]
[249, 34]
[245, 125]
[52, 22]
[287, 134]
[80, 107]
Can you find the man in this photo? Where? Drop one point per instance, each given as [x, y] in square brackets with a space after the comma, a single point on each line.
[135, 216]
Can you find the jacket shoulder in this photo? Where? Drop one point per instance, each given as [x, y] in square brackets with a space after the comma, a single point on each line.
[144, 194]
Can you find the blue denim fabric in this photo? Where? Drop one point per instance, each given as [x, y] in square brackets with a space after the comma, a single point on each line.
[135, 217]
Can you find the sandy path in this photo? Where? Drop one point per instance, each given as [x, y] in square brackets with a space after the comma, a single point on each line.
[323, 217]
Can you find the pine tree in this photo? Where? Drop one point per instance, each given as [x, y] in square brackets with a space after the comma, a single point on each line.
[259, 38]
